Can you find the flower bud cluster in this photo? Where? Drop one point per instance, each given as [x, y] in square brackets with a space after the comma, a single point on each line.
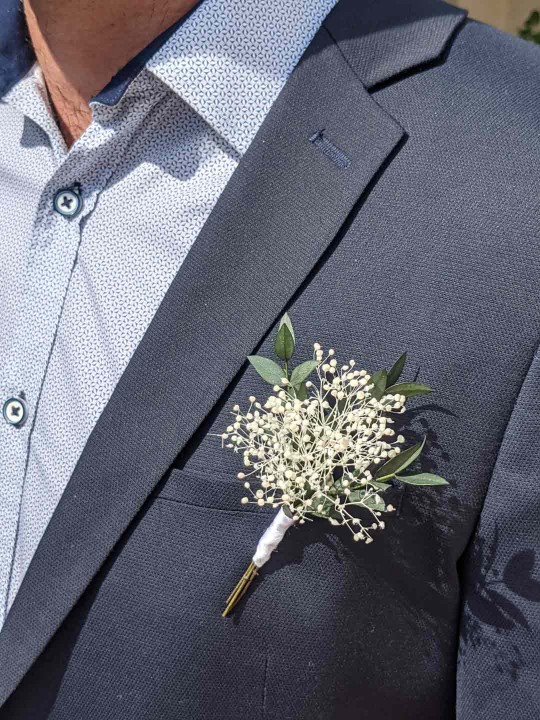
[318, 456]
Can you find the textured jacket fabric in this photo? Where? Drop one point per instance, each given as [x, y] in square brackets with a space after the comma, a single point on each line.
[420, 234]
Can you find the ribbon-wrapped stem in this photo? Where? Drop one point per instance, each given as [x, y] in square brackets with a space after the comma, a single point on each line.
[271, 538]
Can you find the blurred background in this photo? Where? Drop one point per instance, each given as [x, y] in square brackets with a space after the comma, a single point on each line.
[515, 16]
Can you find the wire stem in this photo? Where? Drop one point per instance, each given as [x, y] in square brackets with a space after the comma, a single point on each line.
[240, 588]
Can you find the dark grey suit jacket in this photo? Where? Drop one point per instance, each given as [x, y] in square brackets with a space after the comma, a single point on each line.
[420, 234]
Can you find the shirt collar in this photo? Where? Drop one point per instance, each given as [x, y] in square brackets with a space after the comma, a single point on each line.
[228, 59]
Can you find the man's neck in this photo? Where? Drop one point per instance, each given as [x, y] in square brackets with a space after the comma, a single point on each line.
[80, 46]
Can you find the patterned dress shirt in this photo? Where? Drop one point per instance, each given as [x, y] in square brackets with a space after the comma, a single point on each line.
[92, 236]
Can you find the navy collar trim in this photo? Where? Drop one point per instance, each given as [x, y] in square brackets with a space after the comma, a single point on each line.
[16, 53]
[113, 92]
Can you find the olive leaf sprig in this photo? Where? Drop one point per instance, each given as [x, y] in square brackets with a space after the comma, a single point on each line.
[274, 374]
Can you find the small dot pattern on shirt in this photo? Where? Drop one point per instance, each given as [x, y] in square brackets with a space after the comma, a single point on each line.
[77, 294]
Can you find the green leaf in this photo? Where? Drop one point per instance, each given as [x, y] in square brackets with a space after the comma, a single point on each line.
[401, 461]
[408, 389]
[325, 502]
[374, 502]
[379, 380]
[267, 369]
[397, 369]
[286, 320]
[284, 345]
[301, 391]
[287, 511]
[422, 479]
[361, 498]
[380, 485]
[327, 510]
[301, 373]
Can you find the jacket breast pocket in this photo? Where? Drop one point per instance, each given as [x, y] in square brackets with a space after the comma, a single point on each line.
[208, 489]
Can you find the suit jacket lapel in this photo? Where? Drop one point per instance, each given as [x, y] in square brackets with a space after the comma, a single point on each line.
[283, 207]
[385, 39]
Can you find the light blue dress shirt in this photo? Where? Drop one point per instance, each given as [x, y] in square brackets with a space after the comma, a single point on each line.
[91, 237]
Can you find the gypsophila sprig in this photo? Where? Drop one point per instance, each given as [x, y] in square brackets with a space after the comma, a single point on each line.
[321, 448]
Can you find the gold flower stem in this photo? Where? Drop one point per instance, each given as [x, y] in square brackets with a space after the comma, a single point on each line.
[240, 588]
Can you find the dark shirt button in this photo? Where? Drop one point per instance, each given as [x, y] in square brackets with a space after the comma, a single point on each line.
[68, 202]
[14, 411]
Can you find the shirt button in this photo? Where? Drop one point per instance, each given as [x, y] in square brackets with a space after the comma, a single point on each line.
[68, 202]
[14, 411]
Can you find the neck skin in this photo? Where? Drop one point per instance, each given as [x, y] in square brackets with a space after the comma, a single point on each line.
[81, 45]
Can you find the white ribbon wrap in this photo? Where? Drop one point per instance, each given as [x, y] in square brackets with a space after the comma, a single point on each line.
[271, 538]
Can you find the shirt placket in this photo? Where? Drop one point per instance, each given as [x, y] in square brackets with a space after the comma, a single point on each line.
[53, 252]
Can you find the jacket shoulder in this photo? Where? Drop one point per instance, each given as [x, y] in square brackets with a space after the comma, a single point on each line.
[507, 66]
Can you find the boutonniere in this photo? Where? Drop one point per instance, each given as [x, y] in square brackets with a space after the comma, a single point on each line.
[321, 448]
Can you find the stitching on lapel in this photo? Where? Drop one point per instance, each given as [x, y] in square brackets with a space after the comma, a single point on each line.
[327, 147]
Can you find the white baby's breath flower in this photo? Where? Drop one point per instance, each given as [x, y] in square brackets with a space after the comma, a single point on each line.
[321, 447]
